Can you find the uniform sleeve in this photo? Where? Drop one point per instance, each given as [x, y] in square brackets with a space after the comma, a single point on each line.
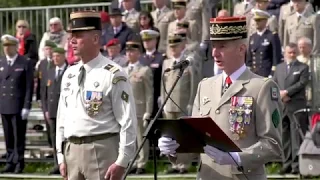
[29, 79]
[62, 107]
[276, 51]
[205, 15]
[268, 115]
[302, 83]
[125, 113]
[316, 34]
[281, 23]
[148, 84]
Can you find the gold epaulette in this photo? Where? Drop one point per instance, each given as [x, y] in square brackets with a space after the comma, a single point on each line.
[111, 68]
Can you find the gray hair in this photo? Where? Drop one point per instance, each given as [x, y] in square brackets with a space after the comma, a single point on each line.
[305, 40]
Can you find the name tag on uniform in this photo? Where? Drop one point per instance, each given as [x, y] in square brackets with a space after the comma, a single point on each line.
[93, 102]
[296, 72]
[19, 69]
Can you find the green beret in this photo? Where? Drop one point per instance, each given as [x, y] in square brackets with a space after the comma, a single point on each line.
[58, 50]
[50, 44]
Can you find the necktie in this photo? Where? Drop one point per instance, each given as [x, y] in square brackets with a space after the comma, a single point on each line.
[130, 69]
[227, 84]
[246, 6]
[9, 62]
[115, 30]
[288, 67]
[49, 65]
[81, 76]
[58, 74]
[158, 13]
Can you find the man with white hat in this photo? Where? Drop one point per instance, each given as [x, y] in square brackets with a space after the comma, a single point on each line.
[264, 50]
[16, 82]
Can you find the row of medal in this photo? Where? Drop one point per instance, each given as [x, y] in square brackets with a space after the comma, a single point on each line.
[240, 115]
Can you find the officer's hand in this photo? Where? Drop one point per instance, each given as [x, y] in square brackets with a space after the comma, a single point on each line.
[168, 146]
[24, 114]
[114, 172]
[63, 170]
[47, 115]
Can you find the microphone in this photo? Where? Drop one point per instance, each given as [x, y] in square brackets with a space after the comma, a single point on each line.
[180, 65]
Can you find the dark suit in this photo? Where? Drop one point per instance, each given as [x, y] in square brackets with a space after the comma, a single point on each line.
[124, 35]
[264, 52]
[16, 88]
[294, 81]
[155, 63]
[31, 49]
[115, 4]
[51, 100]
[42, 76]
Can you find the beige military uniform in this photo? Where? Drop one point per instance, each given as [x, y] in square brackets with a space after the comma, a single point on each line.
[183, 95]
[90, 118]
[141, 79]
[192, 32]
[308, 26]
[262, 139]
[240, 8]
[285, 11]
[272, 25]
[161, 22]
[121, 60]
[199, 11]
[131, 18]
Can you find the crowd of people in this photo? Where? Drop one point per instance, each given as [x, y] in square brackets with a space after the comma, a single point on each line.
[100, 81]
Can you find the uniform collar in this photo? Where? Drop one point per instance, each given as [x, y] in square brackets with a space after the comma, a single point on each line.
[61, 68]
[260, 33]
[91, 64]
[12, 59]
[149, 53]
[134, 64]
[179, 58]
[234, 76]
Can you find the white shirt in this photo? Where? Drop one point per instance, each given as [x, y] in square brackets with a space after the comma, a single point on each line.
[60, 68]
[120, 3]
[149, 53]
[260, 33]
[116, 114]
[12, 59]
[234, 76]
[130, 65]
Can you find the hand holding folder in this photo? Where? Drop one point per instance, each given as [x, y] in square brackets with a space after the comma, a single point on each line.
[194, 133]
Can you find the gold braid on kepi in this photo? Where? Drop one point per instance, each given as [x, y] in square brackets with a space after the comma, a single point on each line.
[228, 28]
[85, 21]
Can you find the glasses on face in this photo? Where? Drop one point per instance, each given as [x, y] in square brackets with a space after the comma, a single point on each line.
[21, 26]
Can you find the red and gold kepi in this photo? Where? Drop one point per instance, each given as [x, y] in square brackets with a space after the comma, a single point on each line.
[228, 28]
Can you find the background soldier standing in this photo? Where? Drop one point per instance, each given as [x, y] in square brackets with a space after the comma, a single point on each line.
[43, 68]
[302, 23]
[154, 59]
[236, 87]
[162, 16]
[103, 120]
[16, 82]
[264, 51]
[285, 11]
[141, 79]
[52, 96]
[182, 95]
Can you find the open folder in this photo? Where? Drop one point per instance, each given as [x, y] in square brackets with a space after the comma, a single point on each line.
[193, 133]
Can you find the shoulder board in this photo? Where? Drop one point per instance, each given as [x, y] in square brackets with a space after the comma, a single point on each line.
[111, 68]
[204, 79]
[119, 78]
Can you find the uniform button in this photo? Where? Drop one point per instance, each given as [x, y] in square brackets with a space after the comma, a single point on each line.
[254, 62]
[253, 57]
[11, 87]
[254, 66]
[3, 94]
[3, 86]
[11, 94]
[200, 113]
[12, 79]
[249, 171]
[51, 93]
[51, 100]
[261, 52]
[217, 111]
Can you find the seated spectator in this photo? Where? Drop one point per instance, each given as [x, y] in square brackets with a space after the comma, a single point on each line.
[146, 22]
[56, 33]
[27, 42]
[223, 13]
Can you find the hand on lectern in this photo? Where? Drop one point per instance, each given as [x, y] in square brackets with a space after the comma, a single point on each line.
[222, 158]
[167, 146]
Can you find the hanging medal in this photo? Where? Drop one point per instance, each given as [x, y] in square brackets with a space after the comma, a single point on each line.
[233, 114]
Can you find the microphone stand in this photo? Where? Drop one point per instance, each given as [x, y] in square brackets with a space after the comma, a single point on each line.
[151, 133]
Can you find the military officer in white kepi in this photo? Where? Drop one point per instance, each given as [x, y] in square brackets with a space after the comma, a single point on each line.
[96, 119]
